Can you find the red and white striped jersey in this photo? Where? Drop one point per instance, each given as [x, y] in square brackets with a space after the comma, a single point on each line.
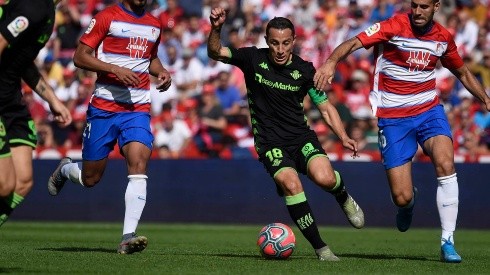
[404, 78]
[125, 39]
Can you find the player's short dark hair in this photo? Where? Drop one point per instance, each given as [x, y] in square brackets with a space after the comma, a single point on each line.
[279, 23]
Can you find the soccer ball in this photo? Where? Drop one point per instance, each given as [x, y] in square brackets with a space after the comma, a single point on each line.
[276, 241]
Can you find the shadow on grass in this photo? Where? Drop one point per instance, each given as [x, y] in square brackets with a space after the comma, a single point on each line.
[11, 270]
[345, 255]
[79, 249]
[383, 257]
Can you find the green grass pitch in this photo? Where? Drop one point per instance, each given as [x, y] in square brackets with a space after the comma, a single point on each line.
[90, 248]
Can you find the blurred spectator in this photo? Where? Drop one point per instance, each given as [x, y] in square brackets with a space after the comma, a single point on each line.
[172, 136]
[191, 7]
[169, 49]
[304, 14]
[172, 16]
[75, 132]
[228, 95]
[467, 34]
[36, 108]
[188, 78]
[45, 135]
[193, 35]
[278, 8]
[67, 35]
[67, 91]
[481, 118]
[383, 10]
[159, 97]
[213, 68]
[209, 137]
[357, 97]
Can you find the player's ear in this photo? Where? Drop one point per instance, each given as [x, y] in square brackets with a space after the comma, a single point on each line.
[437, 4]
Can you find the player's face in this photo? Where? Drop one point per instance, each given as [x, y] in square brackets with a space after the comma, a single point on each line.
[423, 11]
[138, 4]
[281, 43]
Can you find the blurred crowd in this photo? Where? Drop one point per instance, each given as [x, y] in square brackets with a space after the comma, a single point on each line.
[204, 114]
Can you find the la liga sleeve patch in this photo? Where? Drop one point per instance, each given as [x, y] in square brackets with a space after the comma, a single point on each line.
[18, 25]
[90, 26]
[373, 29]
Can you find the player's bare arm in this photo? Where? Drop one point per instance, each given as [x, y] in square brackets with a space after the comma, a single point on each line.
[3, 43]
[85, 59]
[472, 85]
[215, 50]
[326, 72]
[157, 70]
[332, 118]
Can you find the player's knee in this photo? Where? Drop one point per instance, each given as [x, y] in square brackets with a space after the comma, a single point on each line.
[90, 181]
[402, 199]
[445, 167]
[291, 188]
[324, 179]
[6, 189]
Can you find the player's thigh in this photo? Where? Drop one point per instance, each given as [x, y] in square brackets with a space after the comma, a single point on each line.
[100, 134]
[313, 161]
[137, 155]
[398, 141]
[92, 171]
[136, 141]
[282, 168]
[20, 139]
[400, 181]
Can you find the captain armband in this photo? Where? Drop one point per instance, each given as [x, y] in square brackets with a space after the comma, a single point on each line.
[317, 96]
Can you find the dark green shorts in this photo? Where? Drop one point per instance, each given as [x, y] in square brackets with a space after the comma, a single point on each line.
[16, 128]
[294, 156]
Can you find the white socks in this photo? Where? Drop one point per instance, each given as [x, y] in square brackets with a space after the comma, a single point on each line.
[447, 204]
[135, 202]
[73, 171]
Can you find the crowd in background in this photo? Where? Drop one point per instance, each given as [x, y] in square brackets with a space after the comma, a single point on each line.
[204, 114]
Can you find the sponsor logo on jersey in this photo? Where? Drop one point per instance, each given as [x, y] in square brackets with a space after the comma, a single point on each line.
[17, 26]
[418, 60]
[275, 84]
[264, 66]
[91, 25]
[137, 46]
[373, 29]
[308, 149]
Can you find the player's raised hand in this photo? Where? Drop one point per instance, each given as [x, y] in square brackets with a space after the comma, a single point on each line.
[127, 77]
[217, 17]
[164, 81]
[61, 114]
[324, 75]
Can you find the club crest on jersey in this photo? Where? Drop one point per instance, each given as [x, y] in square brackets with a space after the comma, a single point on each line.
[137, 46]
[91, 25]
[373, 29]
[418, 60]
[295, 74]
[17, 26]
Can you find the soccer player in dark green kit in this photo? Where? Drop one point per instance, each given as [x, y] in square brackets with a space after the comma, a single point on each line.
[277, 82]
[25, 27]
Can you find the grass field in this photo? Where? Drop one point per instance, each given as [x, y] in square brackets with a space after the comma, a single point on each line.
[89, 248]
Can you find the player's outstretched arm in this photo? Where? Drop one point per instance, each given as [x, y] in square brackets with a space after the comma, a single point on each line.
[332, 118]
[217, 51]
[472, 84]
[325, 73]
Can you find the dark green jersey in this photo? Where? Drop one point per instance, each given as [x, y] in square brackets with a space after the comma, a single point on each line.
[275, 96]
[27, 26]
